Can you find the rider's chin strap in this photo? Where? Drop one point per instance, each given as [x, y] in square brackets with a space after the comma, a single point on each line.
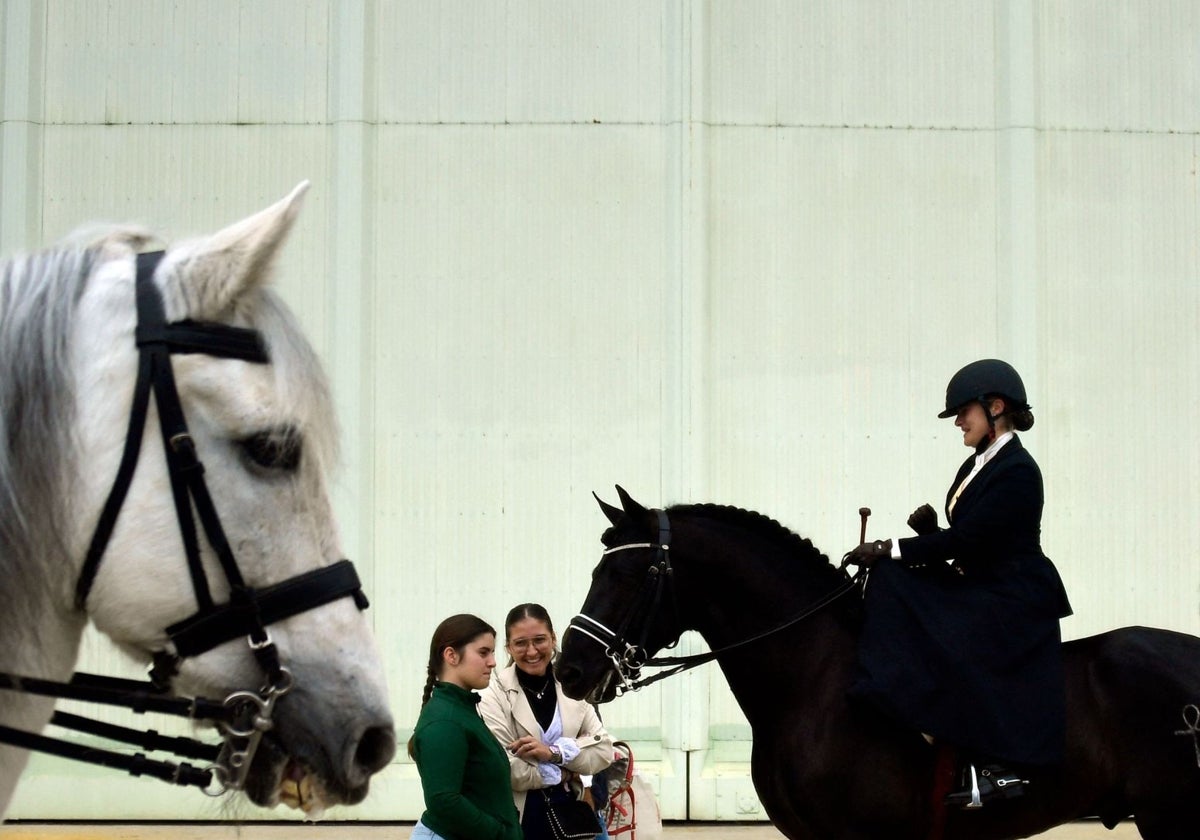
[985, 404]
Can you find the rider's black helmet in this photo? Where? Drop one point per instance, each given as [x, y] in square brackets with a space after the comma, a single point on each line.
[984, 378]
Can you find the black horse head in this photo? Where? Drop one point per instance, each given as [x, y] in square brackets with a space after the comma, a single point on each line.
[623, 617]
[645, 592]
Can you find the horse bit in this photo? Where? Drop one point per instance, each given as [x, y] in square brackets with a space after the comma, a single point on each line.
[244, 716]
[628, 658]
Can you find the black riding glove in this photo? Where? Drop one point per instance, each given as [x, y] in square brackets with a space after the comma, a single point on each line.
[923, 520]
[866, 554]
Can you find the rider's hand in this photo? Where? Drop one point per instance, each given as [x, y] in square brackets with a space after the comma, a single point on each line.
[866, 554]
[923, 520]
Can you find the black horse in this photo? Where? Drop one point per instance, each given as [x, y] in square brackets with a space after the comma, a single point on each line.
[783, 622]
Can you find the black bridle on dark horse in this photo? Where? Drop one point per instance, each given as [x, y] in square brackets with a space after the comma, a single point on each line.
[628, 658]
[244, 716]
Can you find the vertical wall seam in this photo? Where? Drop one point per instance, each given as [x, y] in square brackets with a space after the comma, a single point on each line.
[22, 110]
[1018, 271]
[352, 271]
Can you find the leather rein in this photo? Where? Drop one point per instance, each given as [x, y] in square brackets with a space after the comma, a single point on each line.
[244, 716]
[628, 658]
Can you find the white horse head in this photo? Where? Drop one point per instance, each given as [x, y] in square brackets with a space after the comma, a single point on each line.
[265, 434]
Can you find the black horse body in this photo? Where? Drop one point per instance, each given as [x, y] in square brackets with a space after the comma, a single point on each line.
[825, 770]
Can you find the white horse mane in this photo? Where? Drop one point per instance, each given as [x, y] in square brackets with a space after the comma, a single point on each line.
[38, 298]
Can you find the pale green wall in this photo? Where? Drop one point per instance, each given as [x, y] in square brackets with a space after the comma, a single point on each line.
[710, 251]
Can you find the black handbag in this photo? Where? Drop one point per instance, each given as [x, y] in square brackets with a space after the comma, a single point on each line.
[571, 819]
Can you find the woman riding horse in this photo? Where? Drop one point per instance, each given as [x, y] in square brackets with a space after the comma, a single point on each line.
[968, 652]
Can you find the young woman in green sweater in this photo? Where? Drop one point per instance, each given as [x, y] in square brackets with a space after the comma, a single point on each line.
[464, 770]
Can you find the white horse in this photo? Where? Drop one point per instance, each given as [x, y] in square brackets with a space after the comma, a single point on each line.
[265, 435]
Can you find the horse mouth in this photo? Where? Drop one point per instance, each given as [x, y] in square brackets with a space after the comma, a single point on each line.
[277, 777]
[301, 788]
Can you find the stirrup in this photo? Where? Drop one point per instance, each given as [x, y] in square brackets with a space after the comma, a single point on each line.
[986, 785]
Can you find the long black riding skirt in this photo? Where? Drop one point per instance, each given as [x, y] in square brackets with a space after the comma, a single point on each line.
[974, 661]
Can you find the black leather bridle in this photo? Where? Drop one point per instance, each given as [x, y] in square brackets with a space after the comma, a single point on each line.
[245, 715]
[629, 657]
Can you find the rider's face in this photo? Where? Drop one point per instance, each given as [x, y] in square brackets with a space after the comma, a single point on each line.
[973, 423]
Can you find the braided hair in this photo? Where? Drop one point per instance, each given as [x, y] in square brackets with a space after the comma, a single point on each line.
[455, 632]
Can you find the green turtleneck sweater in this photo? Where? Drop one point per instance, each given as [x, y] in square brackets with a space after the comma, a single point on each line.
[464, 770]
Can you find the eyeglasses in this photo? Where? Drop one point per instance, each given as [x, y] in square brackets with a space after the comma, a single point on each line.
[536, 641]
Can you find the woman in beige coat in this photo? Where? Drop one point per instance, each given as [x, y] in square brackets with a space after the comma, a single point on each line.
[554, 743]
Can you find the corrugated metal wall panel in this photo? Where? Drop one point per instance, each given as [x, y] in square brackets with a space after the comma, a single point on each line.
[708, 250]
[219, 62]
[526, 264]
[1122, 309]
[520, 63]
[1119, 65]
[839, 63]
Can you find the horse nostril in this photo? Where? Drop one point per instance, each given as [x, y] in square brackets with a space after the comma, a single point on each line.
[375, 749]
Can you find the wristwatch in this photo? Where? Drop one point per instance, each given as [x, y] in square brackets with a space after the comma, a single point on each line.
[555, 755]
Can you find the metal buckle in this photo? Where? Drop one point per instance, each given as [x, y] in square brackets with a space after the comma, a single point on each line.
[251, 721]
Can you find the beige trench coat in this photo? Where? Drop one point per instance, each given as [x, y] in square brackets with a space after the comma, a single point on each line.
[507, 712]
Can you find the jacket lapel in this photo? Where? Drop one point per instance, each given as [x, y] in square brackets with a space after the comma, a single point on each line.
[979, 482]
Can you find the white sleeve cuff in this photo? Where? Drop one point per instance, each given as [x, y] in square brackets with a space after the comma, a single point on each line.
[551, 773]
[568, 748]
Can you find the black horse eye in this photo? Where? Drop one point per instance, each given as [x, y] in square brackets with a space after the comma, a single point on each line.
[275, 450]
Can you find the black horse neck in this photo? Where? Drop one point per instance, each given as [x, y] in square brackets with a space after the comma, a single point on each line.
[738, 575]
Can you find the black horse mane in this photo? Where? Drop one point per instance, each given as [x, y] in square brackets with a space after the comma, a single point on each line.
[759, 523]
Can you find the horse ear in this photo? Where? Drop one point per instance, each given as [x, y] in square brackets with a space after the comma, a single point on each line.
[217, 269]
[632, 508]
[614, 514]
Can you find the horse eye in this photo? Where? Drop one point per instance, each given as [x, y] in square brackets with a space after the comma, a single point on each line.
[276, 450]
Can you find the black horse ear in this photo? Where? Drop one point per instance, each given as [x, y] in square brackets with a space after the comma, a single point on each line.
[614, 514]
[632, 508]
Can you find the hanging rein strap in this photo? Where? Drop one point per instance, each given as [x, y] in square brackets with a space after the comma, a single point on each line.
[140, 697]
[686, 663]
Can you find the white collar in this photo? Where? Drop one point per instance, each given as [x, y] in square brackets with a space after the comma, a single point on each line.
[990, 453]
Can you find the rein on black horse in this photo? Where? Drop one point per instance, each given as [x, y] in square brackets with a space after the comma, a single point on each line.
[629, 658]
[244, 716]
